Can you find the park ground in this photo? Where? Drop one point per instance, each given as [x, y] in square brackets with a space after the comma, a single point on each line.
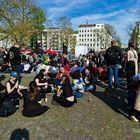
[99, 116]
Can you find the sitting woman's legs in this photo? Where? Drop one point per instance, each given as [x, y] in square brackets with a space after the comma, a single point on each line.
[62, 101]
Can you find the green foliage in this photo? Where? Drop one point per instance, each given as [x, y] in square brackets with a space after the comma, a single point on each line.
[20, 20]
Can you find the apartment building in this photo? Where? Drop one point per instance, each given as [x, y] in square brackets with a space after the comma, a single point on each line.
[52, 38]
[95, 36]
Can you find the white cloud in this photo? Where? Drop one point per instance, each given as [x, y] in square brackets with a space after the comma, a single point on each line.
[63, 6]
[119, 19]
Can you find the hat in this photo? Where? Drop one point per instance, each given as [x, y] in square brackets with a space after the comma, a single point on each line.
[14, 74]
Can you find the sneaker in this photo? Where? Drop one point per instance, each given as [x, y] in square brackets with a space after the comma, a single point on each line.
[39, 102]
[46, 100]
[116, 88]
[133, 118]
[110, 88]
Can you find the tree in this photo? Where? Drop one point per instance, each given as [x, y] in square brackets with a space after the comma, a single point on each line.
[65, 25]
[134, 34]
[111, 30]
[20, 20]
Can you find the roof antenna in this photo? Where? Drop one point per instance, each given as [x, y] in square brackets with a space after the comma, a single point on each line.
[87, 20]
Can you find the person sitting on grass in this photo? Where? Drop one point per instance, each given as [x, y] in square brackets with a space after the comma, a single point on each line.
[136, 112]
[64, 95]
[12, 87]
[62, 72]
[88, 79]
[78, 85]
[43, 85]
[31, 106]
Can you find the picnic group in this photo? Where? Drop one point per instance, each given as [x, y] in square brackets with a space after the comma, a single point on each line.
[66, 78]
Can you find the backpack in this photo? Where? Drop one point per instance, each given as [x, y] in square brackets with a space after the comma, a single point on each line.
[113, 56]
[8, 108]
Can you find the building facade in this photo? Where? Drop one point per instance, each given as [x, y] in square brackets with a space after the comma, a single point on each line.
[94, 36]
[52, 38]
[56, 39]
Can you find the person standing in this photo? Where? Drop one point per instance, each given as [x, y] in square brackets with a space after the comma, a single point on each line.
[113, 56]
[132, 63]
[15, 59]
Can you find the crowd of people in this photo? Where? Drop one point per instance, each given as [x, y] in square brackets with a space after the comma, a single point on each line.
[67, 78]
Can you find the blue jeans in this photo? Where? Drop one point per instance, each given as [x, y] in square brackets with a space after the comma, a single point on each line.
[89, 87]
[113, 71]
[131, 98]
[78, 94]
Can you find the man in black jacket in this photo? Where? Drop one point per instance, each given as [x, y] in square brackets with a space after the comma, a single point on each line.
[88, 79]
[15, 58]
[113, 56]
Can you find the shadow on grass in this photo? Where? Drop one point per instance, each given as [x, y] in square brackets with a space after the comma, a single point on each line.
[20, 134]
[2, 77]
[115, 99]
[2, 87]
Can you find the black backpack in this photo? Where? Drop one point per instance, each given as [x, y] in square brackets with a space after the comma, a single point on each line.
[8, 107]
[113, 56]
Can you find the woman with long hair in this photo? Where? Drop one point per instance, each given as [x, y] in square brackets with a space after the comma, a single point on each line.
[31, 106]
[132, 63]
[64, 94]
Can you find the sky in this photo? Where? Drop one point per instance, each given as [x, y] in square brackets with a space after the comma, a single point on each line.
[119, 13]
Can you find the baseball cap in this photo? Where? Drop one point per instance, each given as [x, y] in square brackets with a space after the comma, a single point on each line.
[14, 74]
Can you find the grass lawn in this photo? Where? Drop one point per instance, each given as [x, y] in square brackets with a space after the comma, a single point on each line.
[99, 116]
